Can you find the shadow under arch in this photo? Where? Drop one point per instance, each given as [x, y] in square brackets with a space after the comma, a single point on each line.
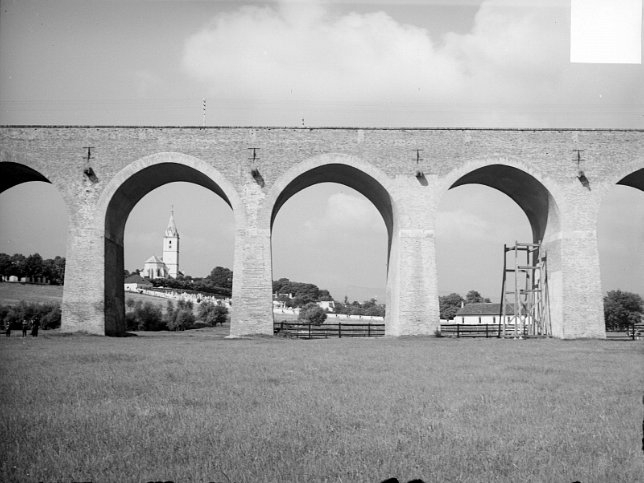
[127, 188]
[634, 180]
[524, 189]
[12, 174]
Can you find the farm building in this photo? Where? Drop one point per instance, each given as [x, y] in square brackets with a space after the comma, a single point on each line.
[482, 313]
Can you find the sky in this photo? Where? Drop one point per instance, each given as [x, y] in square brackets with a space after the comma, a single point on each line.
[434, 63]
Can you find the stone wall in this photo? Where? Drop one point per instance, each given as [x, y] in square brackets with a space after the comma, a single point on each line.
[536, 168]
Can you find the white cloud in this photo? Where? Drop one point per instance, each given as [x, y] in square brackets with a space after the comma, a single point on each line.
[512, 68]
[460, 224]
[346, 216]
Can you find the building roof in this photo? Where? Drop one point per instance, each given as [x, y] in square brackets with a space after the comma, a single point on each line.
[138, 279]
[484, 309]
[171, 230]
[155, 259]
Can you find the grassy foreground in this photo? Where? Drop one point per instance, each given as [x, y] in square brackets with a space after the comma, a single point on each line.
[192, 406]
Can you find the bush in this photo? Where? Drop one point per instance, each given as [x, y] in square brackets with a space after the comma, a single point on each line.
[313, 314]
[48, 314]
[181, 318]
[211, 314]
[145, 316]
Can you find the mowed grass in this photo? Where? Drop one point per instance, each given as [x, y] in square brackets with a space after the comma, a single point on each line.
[194, 406]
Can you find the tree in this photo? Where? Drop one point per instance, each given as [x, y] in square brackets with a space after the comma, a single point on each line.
[182, 317]
[473, 297]
[313, 314]
[18, 265]
[212, 314]
[34, 266]
[449, 305]
[5, 264]
[221, 277]
[148, 316]
[622, 309]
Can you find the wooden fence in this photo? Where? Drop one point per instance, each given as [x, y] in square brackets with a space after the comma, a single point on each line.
[325, 331]
[488, 331]
[479, 330]
[634, 332]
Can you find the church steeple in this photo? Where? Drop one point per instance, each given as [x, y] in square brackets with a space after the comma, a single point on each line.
[171, 230]
[171, 247]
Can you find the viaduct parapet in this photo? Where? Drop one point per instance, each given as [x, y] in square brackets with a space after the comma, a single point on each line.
[538, 169]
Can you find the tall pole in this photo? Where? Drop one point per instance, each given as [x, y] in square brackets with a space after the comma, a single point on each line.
[204, 111]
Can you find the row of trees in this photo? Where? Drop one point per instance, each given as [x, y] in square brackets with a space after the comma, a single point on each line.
[298, 294]
[149, 316]
[219, 282]
[369, 307]
[48, 314]
[33, 266]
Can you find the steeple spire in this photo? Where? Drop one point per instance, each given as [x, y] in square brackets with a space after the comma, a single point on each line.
[171, 230]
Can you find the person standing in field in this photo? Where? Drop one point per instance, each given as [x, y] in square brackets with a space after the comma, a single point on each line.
[35, 324]
[25, 325]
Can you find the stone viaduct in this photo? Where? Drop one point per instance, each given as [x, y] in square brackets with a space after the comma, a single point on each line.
[538, 169]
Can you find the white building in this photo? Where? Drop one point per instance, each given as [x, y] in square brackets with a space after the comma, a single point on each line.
[483, 313]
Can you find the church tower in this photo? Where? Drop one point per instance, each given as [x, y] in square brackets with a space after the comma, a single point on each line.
[171, 247]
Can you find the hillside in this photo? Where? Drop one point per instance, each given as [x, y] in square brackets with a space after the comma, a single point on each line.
[13, 293]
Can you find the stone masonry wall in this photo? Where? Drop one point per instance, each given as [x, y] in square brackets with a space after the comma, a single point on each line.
[383, 157]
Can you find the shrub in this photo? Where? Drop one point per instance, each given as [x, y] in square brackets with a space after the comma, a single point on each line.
[211, 314]
[313, 314]
[145, 316]
[48, 314]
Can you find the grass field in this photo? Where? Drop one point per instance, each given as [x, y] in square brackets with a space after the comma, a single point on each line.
[194, 406]
[12, 293]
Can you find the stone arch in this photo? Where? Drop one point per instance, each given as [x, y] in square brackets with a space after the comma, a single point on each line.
[635, 179]
[541, 200]
[351, 172]
[13, 174]
[335, 168]
[123, 192]
[625, 252]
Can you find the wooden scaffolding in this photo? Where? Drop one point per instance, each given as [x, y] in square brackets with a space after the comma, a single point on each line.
[525, 309]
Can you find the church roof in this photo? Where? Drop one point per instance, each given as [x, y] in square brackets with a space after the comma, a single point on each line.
[154, 259]
[171, 230]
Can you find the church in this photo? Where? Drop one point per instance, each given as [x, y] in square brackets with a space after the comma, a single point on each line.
[168, 266]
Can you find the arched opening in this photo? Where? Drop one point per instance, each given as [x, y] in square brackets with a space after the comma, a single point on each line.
[475, 223]
[34, 224]
[131, 191]
[332, 226]
[620, 236]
